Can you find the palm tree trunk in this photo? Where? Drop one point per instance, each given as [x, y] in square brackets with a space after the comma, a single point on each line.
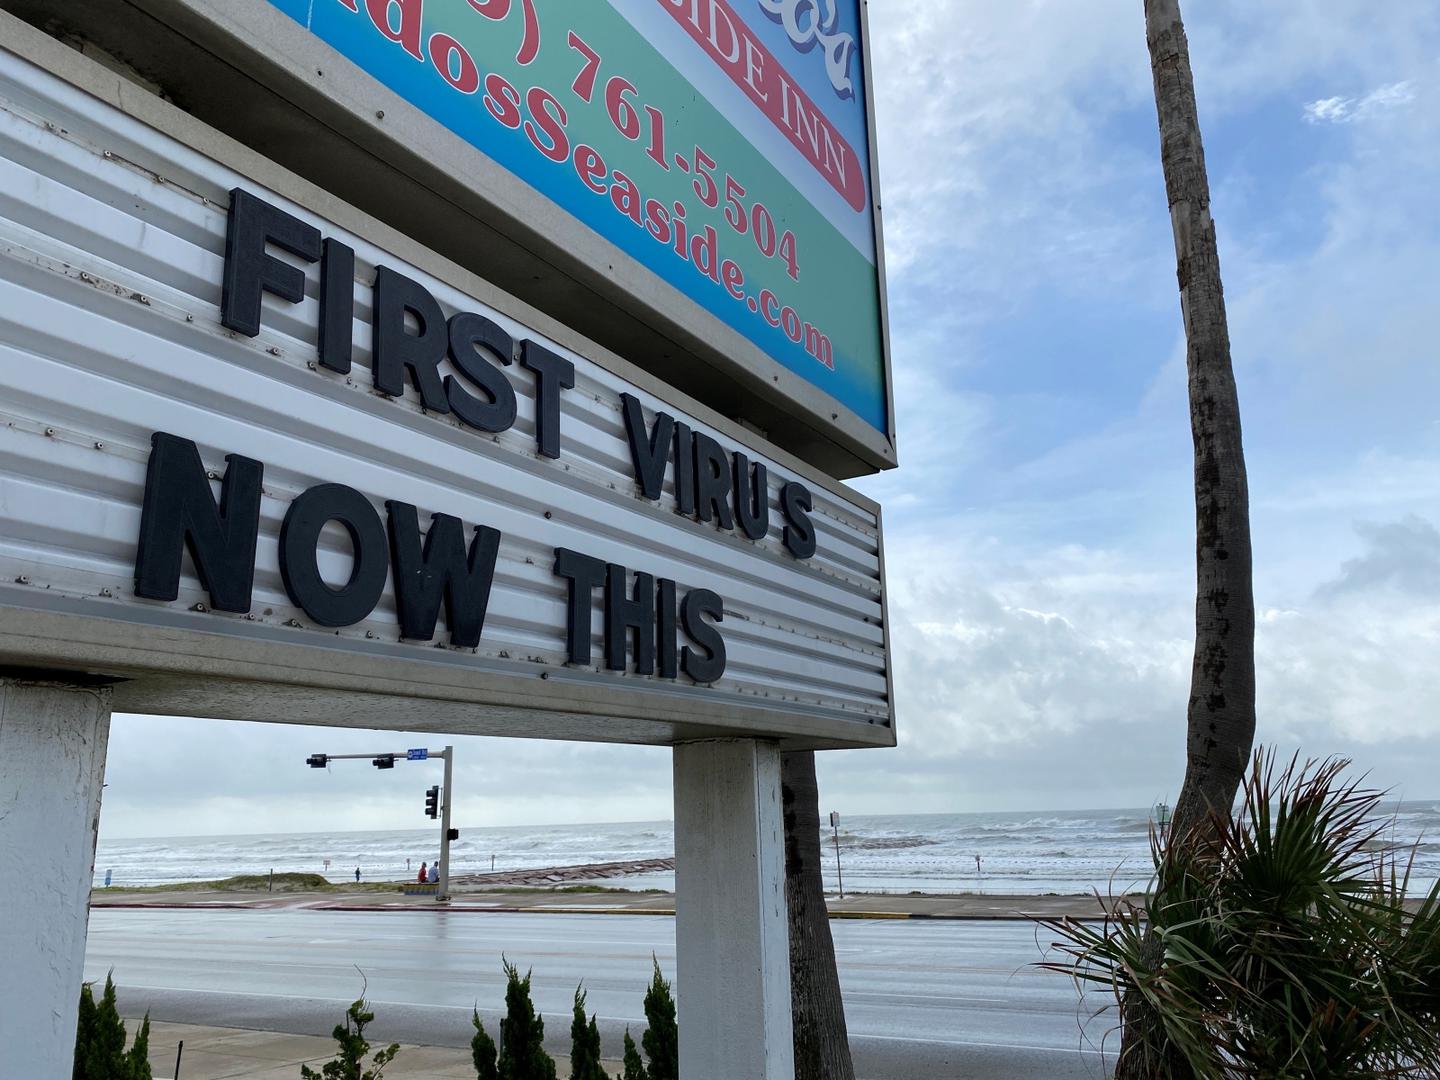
[1221, 712]
[822, 1047]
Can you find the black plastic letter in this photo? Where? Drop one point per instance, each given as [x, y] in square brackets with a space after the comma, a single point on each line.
[684, 470]
[649, 450]
[442, 570]
[704, 667]
[800, 532]
[752, 497]
[712, 482]
[665, 630]
[250, 270]
[469, 334]
[552, 374]
[624, 613]
[584, 575]
[299, 562]
[397, 349]
[179, 511]
[337, 306]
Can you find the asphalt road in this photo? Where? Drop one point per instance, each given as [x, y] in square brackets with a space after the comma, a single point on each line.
[924, 1000]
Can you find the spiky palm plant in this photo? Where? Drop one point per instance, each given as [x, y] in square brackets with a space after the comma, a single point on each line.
[1287, 948]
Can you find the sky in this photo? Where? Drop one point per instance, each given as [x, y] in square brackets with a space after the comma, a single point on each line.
[1040, 529]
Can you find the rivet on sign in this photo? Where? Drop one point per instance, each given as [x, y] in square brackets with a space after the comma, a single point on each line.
[213, 475]
[23, 579]
[545, 674]
[369, 633]
[199, 607]
[108, 154]
[106, 592]
[273, 350]
[310, 364]
[99, 445]
[379, 114]
[49, 431]
[547, 515]
[189, 318]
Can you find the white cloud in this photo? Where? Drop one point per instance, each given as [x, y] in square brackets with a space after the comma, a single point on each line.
[1343, 110]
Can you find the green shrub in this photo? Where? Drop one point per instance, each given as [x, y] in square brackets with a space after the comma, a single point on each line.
[634, 1067]
[584, 1043]
[349, 1063]
[661, 1039]
[482, 1050]
[100, 1040]
[522, 1033]
[1281, 947]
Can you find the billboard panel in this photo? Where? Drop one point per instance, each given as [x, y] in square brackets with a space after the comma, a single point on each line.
[262, 462]
[723, 144]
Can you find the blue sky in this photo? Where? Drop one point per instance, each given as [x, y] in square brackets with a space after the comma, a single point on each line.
[1040, 529]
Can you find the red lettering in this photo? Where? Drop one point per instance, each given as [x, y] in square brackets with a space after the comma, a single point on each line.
[502, 100]
[744, 57]
[790, 323]
[734, 279]
[445, 53]
[769, 301]
[590, 168]
[407, 34]
[657, 220]
[703, 253]
[540, 102]
[495, 10]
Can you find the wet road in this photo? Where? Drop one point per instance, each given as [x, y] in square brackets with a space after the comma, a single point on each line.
[924, 1000]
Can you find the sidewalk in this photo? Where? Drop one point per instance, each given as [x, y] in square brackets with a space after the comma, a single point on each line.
[216, 1053]
[866, 906]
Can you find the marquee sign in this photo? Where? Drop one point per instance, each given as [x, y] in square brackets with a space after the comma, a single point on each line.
[723, 144]
[255, 461]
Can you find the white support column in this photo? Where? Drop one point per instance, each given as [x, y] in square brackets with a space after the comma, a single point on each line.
[731, 936]
[52, 766]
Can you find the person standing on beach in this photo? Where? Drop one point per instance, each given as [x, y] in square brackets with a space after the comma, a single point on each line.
[357, 875]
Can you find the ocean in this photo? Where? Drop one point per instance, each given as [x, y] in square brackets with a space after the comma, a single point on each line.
[1024, 853]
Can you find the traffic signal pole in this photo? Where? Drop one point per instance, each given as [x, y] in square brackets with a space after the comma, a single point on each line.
[444, 894]
[388, 761]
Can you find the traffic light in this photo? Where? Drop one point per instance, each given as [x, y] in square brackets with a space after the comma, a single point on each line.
[454, 834]
[432, 802]
[317, 761]
[384, 761]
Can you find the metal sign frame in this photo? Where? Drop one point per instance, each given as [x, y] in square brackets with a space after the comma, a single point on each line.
[273, 672]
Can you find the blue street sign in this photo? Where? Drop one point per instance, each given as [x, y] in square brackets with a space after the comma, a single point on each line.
[417, 755]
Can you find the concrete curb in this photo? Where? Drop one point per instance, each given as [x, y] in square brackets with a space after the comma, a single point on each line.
[510, 910]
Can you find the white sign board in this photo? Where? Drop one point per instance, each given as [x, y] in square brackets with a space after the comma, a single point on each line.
[264, 463]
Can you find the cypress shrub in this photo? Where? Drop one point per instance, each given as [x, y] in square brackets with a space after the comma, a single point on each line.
[349, 1063]
[661, 1039]
[138, 1059]
[584, 1043]
[522, 1033]
[482, 1050]
[634, 1067]
[100, 1040]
